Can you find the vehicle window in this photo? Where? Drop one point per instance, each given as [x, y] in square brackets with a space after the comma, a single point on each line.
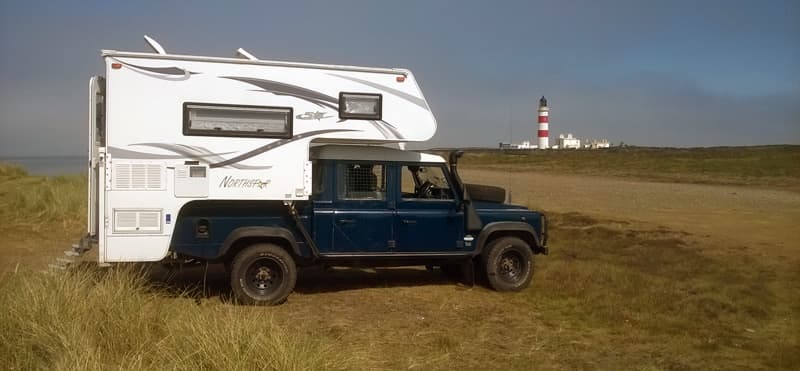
[361, 181]
[317, 178]
[424, 182]
[228, 120]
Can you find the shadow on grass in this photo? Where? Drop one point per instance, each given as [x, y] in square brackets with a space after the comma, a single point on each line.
[214, 282]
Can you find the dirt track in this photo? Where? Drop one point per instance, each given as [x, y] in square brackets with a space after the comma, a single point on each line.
[765, 222]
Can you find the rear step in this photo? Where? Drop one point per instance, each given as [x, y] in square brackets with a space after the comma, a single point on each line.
[77, 250]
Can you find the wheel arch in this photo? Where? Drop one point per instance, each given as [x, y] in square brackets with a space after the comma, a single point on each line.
[242, 237]
[496, 230]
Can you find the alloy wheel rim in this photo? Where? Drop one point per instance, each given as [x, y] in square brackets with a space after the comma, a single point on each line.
[510, 267]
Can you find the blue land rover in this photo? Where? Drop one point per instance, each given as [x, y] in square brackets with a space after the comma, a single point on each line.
[371, 206]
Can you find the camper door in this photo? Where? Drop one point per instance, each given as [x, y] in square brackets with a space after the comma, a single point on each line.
[97, 129]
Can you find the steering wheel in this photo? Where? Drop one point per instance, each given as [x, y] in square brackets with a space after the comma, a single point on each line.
[425, 190]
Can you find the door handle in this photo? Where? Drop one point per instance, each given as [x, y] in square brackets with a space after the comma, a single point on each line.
[346, 221]
[408, 221]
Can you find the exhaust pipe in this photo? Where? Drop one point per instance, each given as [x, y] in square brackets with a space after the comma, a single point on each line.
[472, 222]
[454, 156]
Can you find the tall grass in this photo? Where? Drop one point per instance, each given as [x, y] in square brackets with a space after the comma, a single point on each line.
[88, 319]
[36, 201]
[97, 320]
[11, 171]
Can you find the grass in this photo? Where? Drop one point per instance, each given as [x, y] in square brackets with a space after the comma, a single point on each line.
[608, 297]
[660, 293]
[612, 295]
[774, 166]
[38, 203]
[116, 319]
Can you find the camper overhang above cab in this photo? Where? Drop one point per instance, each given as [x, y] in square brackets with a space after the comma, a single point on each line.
[246, 124]
[362, 104]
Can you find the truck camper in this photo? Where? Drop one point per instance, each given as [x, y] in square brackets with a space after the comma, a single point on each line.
[266, 166]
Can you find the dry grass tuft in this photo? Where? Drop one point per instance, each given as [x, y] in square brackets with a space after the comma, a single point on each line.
[32, 202]
[12, 171]
[89, 319]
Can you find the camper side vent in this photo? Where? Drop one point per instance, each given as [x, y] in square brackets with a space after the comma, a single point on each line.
[137, 220]
[138, 177]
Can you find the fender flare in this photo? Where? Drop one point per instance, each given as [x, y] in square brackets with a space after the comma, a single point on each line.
[258, 231]
[490, 228]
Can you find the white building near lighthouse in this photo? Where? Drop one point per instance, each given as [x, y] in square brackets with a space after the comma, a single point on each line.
[568, 142]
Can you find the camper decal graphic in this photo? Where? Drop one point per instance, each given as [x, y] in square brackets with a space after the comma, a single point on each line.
[274, 145]
[279, 88]
[231, 182]
[405, 96]
[181, 151]
[312, 116]
[214, 160]
[164, 73]
[322, 100]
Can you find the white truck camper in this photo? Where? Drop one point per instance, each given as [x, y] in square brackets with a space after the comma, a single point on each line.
[167, 129]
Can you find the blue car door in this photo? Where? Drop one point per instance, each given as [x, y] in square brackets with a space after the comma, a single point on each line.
[428, 219]
[362, 220]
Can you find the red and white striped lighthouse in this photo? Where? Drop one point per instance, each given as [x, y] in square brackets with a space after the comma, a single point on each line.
[544, 126]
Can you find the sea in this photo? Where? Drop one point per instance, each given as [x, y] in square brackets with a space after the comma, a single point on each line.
[50, 166]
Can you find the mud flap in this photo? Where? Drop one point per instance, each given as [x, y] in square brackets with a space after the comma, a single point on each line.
[467, 269]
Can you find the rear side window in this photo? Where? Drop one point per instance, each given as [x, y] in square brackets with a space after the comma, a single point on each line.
[360, 181]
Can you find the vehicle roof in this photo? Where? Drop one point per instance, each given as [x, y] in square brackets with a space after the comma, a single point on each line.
[371, 153]
[262, 62]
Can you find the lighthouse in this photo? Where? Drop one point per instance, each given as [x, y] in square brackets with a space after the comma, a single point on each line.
[544, 113]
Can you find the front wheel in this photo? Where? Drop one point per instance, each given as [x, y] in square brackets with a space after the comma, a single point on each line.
[263, 274]
[508, 262]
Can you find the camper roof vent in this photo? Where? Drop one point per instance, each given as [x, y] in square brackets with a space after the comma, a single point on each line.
[155, 45]
[241, 53]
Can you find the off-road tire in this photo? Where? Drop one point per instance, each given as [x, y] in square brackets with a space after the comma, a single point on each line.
[263, 274]
[508, 263]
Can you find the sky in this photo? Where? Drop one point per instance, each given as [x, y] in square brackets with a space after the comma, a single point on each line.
[652, 73]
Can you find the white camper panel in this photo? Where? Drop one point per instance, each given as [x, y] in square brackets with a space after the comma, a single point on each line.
[184, 128]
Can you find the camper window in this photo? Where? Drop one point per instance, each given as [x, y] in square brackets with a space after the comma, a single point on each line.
[360, 106]
[237, 121]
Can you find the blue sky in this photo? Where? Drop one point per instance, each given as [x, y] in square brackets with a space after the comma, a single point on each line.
[671, 73]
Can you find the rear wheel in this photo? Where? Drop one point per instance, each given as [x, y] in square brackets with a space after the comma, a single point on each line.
[508, 262]
[263, 274]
